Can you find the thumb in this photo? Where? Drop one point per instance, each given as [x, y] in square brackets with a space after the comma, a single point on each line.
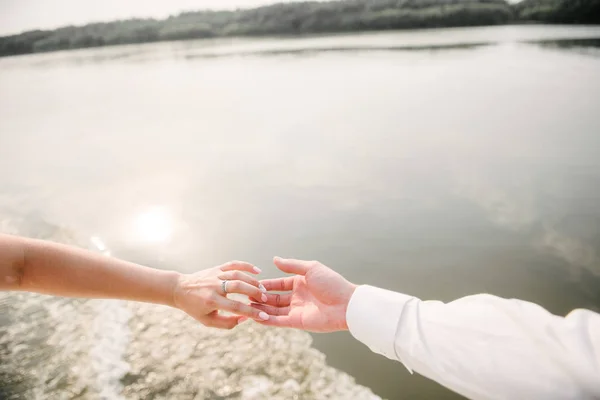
[291, 266]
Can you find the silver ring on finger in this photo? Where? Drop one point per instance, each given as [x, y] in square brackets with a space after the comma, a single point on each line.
[224, 286]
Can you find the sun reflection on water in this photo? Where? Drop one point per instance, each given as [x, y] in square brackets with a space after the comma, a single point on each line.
[99, 245]
[153, 225]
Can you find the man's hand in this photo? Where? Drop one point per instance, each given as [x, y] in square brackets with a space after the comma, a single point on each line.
[316, 301]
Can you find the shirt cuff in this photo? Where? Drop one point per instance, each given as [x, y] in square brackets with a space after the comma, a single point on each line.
[373, 317]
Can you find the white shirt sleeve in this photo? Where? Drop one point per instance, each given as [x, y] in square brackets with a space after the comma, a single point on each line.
[482, 346]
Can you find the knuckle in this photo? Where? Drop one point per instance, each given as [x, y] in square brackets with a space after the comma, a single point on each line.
[237, 275]
[277, 299]
[213, 296]
[211, 303]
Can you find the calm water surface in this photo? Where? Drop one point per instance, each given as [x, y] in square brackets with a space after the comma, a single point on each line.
[439, 163]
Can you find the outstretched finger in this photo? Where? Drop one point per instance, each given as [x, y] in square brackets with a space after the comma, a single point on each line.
[298, 267]
[239, 266]
[271, 310]
[244, 288]
[241, 276]
[238, 308]
[223, 322]
[279, 284]
[277, 300]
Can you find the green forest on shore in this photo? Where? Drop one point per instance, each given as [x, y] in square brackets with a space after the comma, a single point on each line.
[305, 18]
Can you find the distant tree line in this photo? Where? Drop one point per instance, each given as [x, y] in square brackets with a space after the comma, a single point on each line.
[559, 11]
[303, 18]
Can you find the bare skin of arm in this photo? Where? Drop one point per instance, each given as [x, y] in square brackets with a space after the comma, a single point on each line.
[50, 268]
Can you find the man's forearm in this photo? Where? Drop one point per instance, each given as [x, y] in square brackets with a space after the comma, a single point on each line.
[50, 268]
[483, 346]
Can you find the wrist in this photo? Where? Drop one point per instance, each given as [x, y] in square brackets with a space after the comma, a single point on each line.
[174, 284]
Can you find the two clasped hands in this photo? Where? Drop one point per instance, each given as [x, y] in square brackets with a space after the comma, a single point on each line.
[315, 298]
[481, 346]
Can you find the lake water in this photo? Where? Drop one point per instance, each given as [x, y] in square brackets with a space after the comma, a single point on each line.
[439, 163]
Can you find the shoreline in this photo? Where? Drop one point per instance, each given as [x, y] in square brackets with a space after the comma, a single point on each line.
[397, 40]
[292, 19]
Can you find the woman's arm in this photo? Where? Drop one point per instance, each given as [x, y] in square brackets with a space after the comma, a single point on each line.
[55, 269]
[50, 268]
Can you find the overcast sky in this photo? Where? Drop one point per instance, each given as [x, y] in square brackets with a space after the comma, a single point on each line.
[22, 15]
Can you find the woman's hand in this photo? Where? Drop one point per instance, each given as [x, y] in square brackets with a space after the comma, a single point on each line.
[50, 268]
[201, 294]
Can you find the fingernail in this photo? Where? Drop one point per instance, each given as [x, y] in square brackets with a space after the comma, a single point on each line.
[257, 270]
[263, 315]
[264, 298]
[277, 258]
[262, 288]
